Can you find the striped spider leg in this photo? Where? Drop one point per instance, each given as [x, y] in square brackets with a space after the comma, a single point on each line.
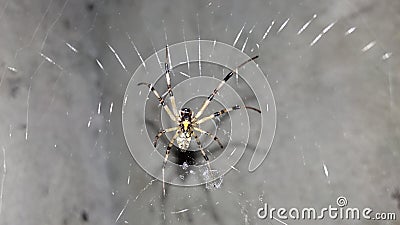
[174, 116]
[168, 79]
[196, 120]
[226, 78]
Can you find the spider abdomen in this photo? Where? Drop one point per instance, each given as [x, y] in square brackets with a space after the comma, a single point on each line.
[183, 141]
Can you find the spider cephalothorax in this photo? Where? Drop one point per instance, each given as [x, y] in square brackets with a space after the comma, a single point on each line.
[186, 114]
[187, 125]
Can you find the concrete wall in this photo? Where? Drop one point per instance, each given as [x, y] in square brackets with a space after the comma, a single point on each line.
[62, 89]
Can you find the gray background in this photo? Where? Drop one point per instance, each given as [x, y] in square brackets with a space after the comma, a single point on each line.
[63, 154]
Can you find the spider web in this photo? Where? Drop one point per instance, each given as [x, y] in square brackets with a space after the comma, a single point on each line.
[333, 67]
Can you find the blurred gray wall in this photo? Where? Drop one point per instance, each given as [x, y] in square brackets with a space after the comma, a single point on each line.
[65, 163]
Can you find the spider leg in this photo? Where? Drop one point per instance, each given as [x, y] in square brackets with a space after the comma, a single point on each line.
[163, 132]
[168, 78]
[210, 171]
[227, 77]
[171, 143]
[202, 150]
[216, 139]
[223, 111]
[161, 100]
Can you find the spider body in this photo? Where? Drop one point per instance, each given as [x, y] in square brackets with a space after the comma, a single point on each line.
[187, 123]
[186, 131]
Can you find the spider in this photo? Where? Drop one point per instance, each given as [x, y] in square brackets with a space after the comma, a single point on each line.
[187, 123]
